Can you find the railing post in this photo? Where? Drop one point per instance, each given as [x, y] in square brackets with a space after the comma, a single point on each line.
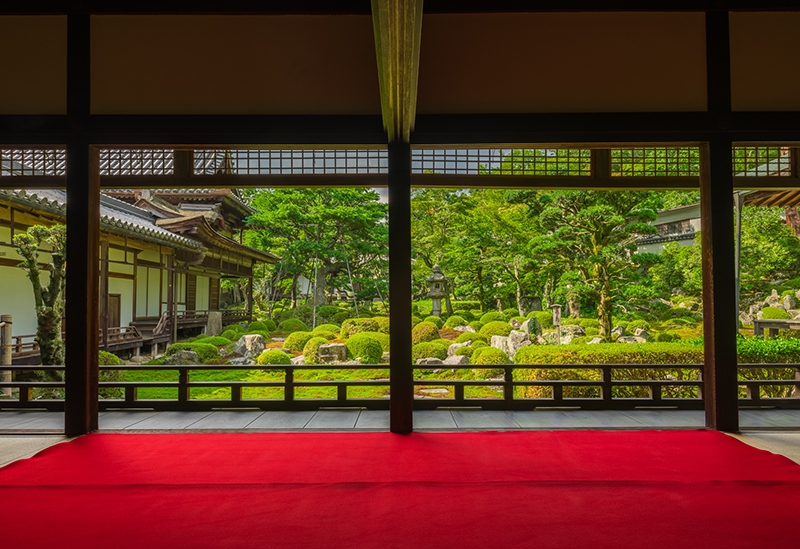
[183, 385]
[341, 393]
[508, 385]
[607, 390]
[5, 353]
[288, 391]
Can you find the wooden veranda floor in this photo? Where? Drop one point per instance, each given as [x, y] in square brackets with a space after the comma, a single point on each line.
[371, 420]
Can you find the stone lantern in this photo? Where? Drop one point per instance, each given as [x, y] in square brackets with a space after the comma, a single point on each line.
[438, 289]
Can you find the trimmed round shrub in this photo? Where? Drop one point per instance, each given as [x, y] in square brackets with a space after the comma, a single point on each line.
[292, 325]
[265, 335]
[340, 317]
[466, 315]
[428, 349]
[357, 325]
[519, 319]
[326, 328]
[478, 344]
[383, 324]
[297, 340]
[273, 356]
[591, 331]
[237, 327]
[322, 333]
[204, 350]
[365, 348]
[454, 321]
[257, 325]
[589, 323]
[434, 320]
[269, 325]
[465, 351]
[664, 337]
[219, 341]
[511, 311]
[579, 340]
[471, 336]
[232, 335]
[496, 328]
[424, 331]
[311, 349]
[493, 316]
[328, 311]
[109, 359]
[633, 325]
[545, 318]
[489, 355]
[200, 336]
[774, 313]
[476, 325]
[415, 320]
[380, 336]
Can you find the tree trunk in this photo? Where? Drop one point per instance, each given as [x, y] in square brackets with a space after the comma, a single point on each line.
[574, 305]
[520, 309]
[322, 280]
[448, 305]
[793, 219]
[293, 292]
[604, 309]
[481, 293]
[48, 336]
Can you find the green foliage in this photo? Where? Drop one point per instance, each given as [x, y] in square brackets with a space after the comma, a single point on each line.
[219, 341]
[332, 328]
[358, 325]
[637, 324]
[322, 333]
[381, 337]
[434, 320]
[292, 325]
[266, 335]
[424, 331]
[590, 331]
[338, 318]
[311, 350]
[297, 340]
[756, 349]
[257, 325]
[545, 318]
[490, 355]
[465, 351]
[383, 324]
[611, 353]
[476, 325]
[510, 312]
[663, 337]
[774, 313]
[234, 327]
[200, 336]
[327, 311]
[109, 359]
[493, 316]
[428, 350]
[365, 348]
[471, 336]
[415, 320]
[496, 328]
[454, 321]
[204, 351]
[232, 335]
[273, 356]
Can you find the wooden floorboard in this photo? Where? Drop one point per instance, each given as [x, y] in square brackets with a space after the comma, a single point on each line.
[373, 419]
[170, 420]
[668, 418]
[50, 421]
[234, 419]
[483, 419]
[124, 419]
[282, 420]
[768, 418]
[334, 419]
[434, 419]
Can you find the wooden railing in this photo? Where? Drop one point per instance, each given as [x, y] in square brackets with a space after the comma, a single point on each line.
[25, 346]
[233, 316]
[505, 387]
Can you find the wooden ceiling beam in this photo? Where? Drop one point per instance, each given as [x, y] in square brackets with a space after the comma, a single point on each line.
[398, 32]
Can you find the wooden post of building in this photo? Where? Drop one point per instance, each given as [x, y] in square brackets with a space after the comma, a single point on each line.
[720, 317]
[5, 352]
[104, 293]
[250, 299]
[402, 372]
[171, 306]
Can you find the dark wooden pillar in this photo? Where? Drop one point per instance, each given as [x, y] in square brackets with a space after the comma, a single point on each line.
[720, 317]
[171, 306]
[104, 293]
[402, 373]
[249, 297]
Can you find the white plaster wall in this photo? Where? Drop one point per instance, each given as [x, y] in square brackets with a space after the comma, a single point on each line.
[124, 287]
[141, 291]
[119, 255]
[203, 288]
[154, 297]
[16, 299]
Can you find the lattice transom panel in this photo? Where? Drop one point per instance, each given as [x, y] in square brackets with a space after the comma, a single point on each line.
[542, 162]
[28, 162]
[655, 162]
[136, 162]
[291, 161]
[762, 161]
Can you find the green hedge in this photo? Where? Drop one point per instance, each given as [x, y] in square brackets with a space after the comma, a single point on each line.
[774, 313]
[489, 355]
[326, 328]
[311, 350]
[383, 324]
[428, 349]
[219, 341]
[297, 340]
[471, 336]
[381, 337]
[493, 316]
[496, 328]
[364, 347]
[454, 321]
[204, 350]
[357, 325]
[424, 331]
[292, 325]
[273, 356]
[434, 320]
[545, 318]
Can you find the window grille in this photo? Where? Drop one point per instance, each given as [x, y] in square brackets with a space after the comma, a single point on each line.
[136, 162]
[542, 162]
[762, 161]
[655, 162]
[27, 162]
[292, 161]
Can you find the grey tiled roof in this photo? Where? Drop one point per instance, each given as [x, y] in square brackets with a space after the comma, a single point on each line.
[114, 215]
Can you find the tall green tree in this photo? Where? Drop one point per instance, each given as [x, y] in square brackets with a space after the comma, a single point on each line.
[594, 233]
[48, 298]
[321, 230]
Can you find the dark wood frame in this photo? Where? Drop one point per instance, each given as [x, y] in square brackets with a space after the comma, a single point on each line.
[82, 132]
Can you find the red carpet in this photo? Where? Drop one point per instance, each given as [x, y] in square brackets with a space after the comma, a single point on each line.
[671, 489]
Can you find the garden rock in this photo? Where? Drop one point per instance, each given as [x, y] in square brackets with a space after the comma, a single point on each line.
[789, 302]
[755, 307]
[213, 323]
[330, 352]
[428, 361]
[250, 345]
[457, 360]
[241, 361]
[138, 359]
[516, 324]
[631, 339]
[641, 332]
[465, 329]
[455, 347]
[618, 331]
[793, 314]
[532, 326]
[595, 341]
[516, 341]
[573, 329]
[298, 360]
[747, 319]
[774, 300]
[183, 357]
